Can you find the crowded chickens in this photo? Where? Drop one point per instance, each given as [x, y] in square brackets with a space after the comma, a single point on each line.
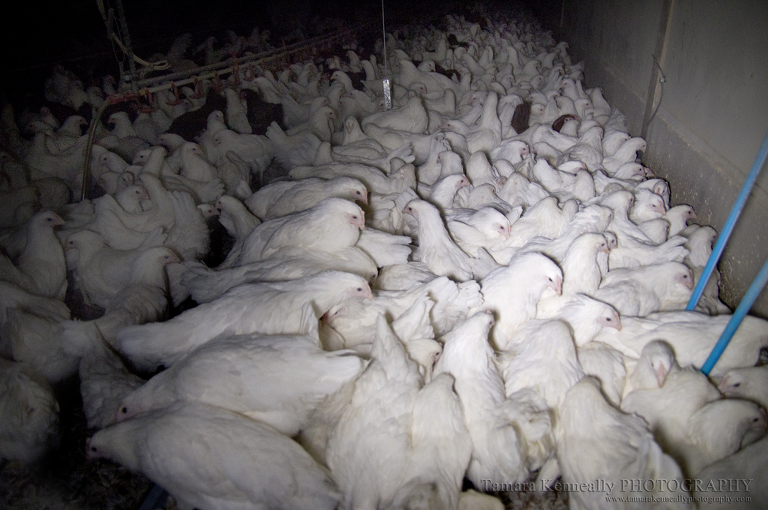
[351, 306]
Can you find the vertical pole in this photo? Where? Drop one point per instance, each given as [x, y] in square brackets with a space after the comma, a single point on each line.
[128, 47]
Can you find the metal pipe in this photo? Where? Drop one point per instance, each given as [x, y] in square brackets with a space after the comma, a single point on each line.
[127, 42]
[722, 239]
[156, 498]
[226, 66]
[190, 77]
[730, 329]
[222, 68]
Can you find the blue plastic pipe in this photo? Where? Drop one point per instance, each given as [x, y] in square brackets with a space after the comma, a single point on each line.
[157, 497]
[733, 324]
[722, 239]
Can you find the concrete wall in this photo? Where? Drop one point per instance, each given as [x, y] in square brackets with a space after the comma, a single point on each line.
[714, 110]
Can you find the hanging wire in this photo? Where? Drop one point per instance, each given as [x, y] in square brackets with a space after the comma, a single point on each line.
[385, 80]
[662, 81]
[384, 37]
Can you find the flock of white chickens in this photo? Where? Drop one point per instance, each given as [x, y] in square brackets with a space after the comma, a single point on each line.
[430, 296]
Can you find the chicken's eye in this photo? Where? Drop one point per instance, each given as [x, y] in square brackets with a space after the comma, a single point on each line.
[354, 216]
[124, 410]
[550, 279]
[94, 449]
[737, 385]
[608, 319]
[359, 289]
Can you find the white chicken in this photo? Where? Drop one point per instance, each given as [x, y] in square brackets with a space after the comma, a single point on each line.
[29, 413]
[539, 348]
[749, 383]
[230, 460]
[692, 335]
[497, 450]
[310, 229]
[597, 443]
[265, 368]
[165, 342]
[555, 182]
[40, 268]
[384, 394]
[531, 273]
[435, 246]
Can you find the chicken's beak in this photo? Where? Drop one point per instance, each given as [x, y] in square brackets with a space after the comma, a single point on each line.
[557, 286]
[661, 375]
[88, 453]
[173, 258]
[57, 221]
[365, 199]
[618, 322]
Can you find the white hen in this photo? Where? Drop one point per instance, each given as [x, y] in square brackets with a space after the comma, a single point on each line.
[29, 413]
[376, 420]
[277, 379]
[268, 308]
[599, 445]
[498, 452]
[541, 356]
[209, 457]
[511, 292]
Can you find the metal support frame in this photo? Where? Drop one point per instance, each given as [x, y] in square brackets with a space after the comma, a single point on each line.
[142, 88]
